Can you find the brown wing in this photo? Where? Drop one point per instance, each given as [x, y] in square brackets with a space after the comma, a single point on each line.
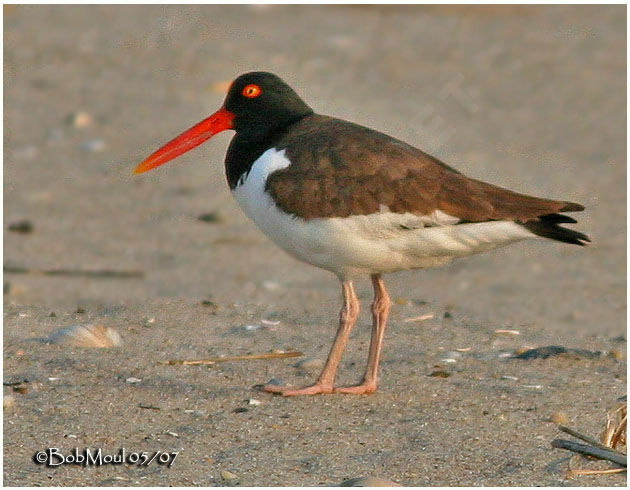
[342, 169]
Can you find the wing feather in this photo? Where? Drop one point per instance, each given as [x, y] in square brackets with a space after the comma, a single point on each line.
[340, 169]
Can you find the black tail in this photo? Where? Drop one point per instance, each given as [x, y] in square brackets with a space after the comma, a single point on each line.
[547, 226]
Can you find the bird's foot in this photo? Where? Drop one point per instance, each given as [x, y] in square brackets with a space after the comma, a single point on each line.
[365, 388]
[316, 389]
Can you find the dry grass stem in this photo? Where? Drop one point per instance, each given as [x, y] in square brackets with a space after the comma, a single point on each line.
[614, 433]
[608, 471]
[247, 357]
[420, 318]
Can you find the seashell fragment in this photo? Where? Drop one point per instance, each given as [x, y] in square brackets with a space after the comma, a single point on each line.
[98, 336]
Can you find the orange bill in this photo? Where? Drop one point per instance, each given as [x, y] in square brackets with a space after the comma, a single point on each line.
[189, 139]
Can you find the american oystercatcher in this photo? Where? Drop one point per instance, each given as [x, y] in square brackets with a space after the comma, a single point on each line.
[356, 202]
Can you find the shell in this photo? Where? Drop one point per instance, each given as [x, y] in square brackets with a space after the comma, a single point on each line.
[98, 336]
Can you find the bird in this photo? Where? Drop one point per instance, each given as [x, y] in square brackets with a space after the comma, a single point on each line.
[356, 202]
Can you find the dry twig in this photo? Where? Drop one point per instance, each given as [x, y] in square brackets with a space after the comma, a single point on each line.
[101, 274]
[248, 357]
[588, 439]
[576, 447]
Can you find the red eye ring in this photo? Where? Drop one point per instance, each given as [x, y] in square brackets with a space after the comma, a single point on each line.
[252, 90]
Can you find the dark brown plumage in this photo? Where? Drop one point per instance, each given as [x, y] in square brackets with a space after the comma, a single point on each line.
[341, 169]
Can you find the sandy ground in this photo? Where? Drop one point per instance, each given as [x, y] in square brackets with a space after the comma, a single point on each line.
[525, 97]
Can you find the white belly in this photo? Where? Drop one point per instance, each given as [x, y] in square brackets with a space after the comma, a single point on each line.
[367, 244]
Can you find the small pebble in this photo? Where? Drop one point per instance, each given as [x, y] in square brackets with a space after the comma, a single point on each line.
[253, 401]
[228, 475]
[133, 380]
[240, 410]
[451, 356]
[252, 328]
[310, 364]
[368, 481]
[150, 322]
[93, 145]
[271, 285]
[8, 402]
[80, 120]
[510, 378]
[23, 226]
[559, 418]
[275, 382]
[440, 373]
[212, 217]
[196, 413]
[22, 389]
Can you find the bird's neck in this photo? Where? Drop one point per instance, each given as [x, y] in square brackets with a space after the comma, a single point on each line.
[247, 146]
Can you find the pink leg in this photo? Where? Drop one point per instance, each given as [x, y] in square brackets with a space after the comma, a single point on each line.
[380, 312]
[347, 319]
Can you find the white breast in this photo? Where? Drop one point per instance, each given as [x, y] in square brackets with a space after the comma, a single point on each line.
[367, 244]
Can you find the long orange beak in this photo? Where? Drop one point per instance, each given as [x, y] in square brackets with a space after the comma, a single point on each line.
[189, 139]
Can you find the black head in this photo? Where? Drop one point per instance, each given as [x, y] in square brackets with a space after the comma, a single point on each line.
[263, 103]
[257, 106]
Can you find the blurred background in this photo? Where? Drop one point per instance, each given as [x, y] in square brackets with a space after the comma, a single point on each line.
[530, 98]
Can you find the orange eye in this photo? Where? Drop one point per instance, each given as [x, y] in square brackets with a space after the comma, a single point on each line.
[252, 90]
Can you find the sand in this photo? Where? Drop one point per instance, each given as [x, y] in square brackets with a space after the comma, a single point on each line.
[530, 98]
